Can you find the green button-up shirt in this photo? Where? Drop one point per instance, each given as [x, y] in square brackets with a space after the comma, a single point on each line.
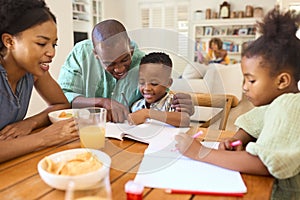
[83, 75]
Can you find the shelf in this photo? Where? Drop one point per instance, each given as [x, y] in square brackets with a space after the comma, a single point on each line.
[225, 22]
[225, 36]
[233, 53]
[80, 12]
[232, 32]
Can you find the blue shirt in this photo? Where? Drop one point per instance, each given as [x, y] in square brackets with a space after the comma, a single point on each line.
[13, 107]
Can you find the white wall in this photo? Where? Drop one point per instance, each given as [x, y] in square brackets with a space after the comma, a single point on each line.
[63, 12]
[114, 9]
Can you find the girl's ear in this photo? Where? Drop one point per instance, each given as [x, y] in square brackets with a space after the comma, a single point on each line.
[284, 80]
[7, 40]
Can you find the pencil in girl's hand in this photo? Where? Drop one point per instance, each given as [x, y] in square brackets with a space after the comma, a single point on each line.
[236, 143]
[197, 134]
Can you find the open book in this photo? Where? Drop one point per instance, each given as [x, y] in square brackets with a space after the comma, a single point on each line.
[143, 132]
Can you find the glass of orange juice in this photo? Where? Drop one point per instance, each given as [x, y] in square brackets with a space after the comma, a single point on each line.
[100, 191]
[91, 123]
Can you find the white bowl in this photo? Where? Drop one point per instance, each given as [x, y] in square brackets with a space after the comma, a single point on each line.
[53, 116]
[61, 182]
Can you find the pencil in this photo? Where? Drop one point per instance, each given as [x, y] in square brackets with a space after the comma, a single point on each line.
[175, 191]
[127, 104]
[197, 134]
[236, 143]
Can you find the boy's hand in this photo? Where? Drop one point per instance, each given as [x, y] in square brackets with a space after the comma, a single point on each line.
[138, 117]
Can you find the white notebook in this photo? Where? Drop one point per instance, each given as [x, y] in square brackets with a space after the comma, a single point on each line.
[188, 175]
[165, 168]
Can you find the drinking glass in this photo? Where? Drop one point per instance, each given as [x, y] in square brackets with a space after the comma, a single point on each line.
[91, 123]
[99, 191]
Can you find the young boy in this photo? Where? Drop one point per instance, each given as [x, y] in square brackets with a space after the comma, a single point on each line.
[154, 82]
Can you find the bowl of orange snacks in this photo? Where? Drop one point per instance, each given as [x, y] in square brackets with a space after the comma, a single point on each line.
[84, 167]
[59, 115]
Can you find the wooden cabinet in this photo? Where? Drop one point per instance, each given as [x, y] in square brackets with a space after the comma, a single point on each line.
[233, 33]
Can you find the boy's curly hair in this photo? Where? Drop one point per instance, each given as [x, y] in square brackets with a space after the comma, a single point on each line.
[157, 58]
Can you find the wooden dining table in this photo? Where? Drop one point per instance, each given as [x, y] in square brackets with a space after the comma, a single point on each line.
[19, 178]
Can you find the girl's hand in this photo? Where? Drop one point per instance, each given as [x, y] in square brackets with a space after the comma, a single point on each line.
[188, 146]
[138, 117]
[227, 145]
[59, 132]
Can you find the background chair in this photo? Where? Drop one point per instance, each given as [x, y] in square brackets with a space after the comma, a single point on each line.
[225, 102]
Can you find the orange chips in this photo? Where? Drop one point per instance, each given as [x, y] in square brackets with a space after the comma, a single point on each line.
[81, 164]
[65, 115]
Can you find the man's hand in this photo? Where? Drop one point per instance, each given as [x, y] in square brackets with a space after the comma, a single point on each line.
[182, 102]
[116, 112]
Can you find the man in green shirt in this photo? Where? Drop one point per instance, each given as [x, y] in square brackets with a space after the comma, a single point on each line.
[104, 73]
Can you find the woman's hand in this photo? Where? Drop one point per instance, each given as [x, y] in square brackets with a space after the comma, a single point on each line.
[17, 129]
[58, 132]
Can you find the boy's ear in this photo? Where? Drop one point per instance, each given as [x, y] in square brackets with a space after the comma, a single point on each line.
[284, 80]
[7, 40]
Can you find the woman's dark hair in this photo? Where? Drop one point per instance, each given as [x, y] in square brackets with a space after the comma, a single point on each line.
[217, 41]
[19, 15]
[278, 45]
[158, 58]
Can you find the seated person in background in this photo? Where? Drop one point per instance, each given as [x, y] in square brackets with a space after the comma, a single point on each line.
[154, 82]
[216, 54]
